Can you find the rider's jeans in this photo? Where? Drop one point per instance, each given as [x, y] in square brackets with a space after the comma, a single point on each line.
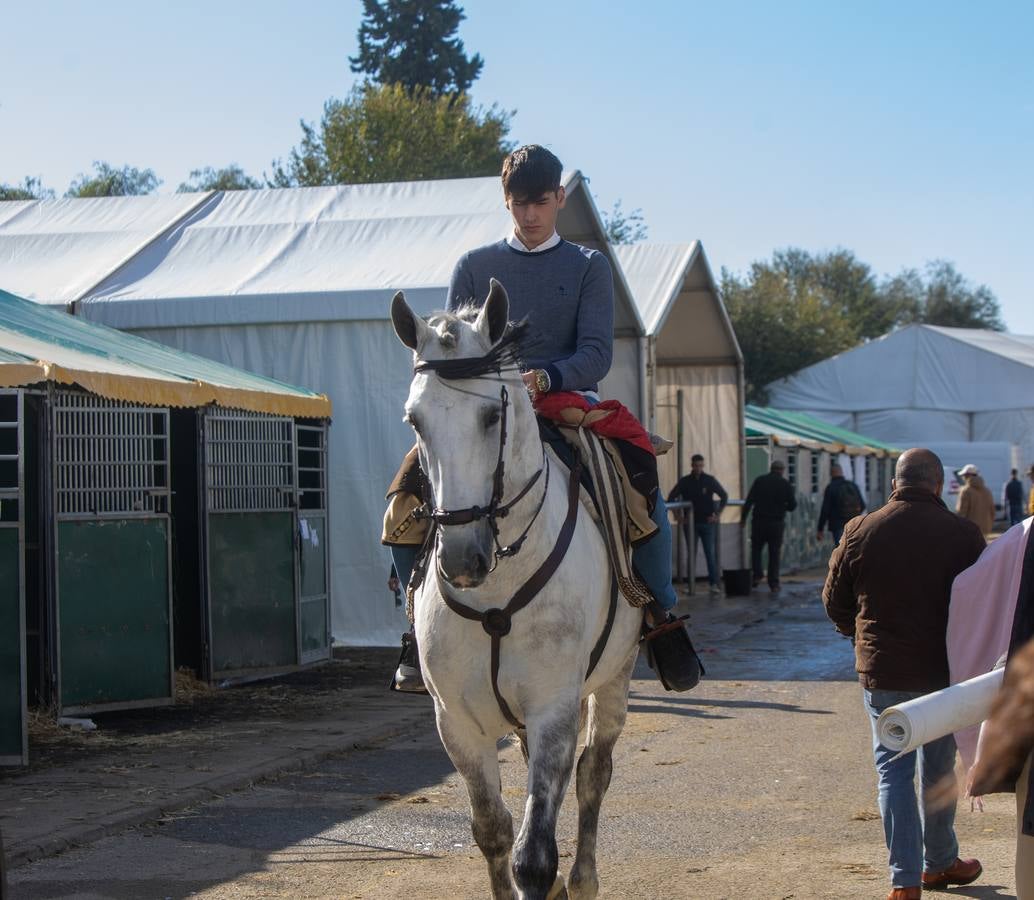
[906, 831]
[652, 560]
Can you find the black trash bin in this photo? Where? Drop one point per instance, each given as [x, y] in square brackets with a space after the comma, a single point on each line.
[737, 582]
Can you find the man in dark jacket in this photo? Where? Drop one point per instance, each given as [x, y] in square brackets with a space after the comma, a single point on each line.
[700, 489]
[841, 502]
[888, 589]
[1012, 494]
[771, 497]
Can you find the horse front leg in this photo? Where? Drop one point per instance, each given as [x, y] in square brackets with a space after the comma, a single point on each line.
[608, 707]
[476, 758]
[552, 738]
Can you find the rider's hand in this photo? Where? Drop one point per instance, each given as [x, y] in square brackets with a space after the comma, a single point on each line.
[393, 584]
[529, 382]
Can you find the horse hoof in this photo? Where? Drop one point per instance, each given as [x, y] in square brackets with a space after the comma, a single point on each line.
[558, 891]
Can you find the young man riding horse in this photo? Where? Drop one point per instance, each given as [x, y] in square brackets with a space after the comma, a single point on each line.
[566, 292]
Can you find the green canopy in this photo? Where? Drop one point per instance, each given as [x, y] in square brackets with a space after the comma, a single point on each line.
[40, 344]
[799, 428]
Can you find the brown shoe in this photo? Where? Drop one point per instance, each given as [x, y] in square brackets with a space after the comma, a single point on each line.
[909, 893]
[962, 871]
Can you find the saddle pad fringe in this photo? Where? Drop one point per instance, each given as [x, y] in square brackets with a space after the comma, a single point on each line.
[610, 497]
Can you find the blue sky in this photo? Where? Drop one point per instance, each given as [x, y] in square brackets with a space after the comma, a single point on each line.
[901, 131]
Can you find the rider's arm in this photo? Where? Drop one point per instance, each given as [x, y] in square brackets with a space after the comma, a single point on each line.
[591, 360]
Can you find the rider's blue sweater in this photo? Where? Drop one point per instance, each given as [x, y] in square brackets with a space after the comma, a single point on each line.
[567, 293]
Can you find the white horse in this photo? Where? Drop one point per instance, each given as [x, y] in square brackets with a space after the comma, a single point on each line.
[495, 487]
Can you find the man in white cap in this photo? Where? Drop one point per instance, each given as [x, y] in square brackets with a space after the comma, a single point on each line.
[976, 502]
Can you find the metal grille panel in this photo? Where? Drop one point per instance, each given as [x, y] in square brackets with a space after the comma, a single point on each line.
[249, 461]
[112, 458]
[10, 457]
[312, 466]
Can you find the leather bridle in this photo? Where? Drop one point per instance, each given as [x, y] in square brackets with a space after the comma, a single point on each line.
[496, 508]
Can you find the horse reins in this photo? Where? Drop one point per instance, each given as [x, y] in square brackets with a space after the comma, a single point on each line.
[497, 621]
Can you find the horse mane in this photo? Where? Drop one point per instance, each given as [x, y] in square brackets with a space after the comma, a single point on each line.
[508, 352]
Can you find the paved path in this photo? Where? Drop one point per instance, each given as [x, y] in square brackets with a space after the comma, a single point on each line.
[756, 784]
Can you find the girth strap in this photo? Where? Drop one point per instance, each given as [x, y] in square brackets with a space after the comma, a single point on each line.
[496, 622]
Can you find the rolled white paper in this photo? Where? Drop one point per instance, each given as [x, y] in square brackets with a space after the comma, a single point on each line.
[910, 725]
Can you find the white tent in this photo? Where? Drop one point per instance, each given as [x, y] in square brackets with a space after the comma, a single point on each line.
[696, 389]
[924, 385]
[296, 284]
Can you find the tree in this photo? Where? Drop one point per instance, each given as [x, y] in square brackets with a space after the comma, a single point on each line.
[622, 227]
[30, 189]
[782, 324]
[108, 181]
[389, 133]
[231, 178]
[414, 43]
[945, 297]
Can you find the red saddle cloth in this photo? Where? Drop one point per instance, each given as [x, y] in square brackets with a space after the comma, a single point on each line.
[610, 418]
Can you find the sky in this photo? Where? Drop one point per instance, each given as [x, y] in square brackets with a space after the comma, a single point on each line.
[903, 132]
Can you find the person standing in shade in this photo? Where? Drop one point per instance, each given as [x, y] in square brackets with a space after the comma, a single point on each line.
[700, 489]
[1012, 498]
[976, 501]
[771, 497]
[889, 589]
[841, 502]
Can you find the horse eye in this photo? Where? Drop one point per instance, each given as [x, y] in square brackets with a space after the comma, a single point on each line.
[491, 418]
[411, 421]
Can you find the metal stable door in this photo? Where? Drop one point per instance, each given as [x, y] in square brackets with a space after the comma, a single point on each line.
[313, 573]
[113, 554]
[250, 558]
[14, 750]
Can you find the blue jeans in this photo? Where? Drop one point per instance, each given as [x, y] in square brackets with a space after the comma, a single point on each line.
[915, 841]
[1015, 513]
[707, 533]
[836, 530]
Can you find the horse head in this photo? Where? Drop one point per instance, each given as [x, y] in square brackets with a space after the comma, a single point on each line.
[468, 408]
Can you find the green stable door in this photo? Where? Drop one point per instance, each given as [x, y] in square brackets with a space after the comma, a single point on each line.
[112, 545]
[13, 732]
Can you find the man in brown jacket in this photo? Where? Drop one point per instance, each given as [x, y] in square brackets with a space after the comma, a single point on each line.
[888, 589]
[976, 502]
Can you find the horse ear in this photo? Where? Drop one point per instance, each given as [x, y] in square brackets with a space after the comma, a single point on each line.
[495, 313]
[408, 325]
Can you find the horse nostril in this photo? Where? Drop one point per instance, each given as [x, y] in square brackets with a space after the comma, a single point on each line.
[480, 566]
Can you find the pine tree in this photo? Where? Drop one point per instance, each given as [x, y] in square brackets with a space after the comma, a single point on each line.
[414, 43]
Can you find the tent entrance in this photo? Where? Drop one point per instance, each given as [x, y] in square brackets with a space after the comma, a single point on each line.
[13, 728]
[112, 546]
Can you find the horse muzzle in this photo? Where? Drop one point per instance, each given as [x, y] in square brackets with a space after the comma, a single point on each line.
[465, 555]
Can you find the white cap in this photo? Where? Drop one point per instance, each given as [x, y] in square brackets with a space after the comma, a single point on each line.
[969, 469]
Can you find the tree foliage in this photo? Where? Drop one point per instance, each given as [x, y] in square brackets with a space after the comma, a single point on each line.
[30, 189]
[622, 227]
[107, 181]
[389, 133]
[943, 297]
[230, 178]
[800, 308]
[414, 43]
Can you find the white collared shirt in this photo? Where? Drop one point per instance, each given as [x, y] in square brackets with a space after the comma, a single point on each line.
[548, 244]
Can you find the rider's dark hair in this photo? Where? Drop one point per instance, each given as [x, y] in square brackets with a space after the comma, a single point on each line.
[531, 171]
